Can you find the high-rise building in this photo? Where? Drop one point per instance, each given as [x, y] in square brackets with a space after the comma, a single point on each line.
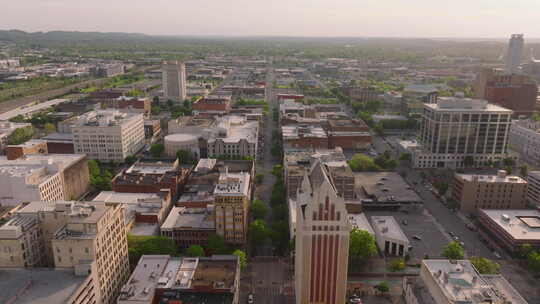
[512, 91]
[86, 239]
[514, 54]
[322, 241]
[174, 80]
[460, 132]
[232, 195]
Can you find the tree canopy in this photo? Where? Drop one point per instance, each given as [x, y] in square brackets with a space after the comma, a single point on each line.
[258, 231]
[157, 149]
[142, 245]
[361, 162]
[195, 251]
[453, 251]
[259, 209]
[485, 266]
[241, 258]
[361, 246]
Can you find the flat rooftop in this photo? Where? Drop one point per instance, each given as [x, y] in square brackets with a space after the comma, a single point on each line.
[233, 184]
[389, 227]
[296, 132]
[189, 218]
[28, 164]
[511, 179]
[159, 167]
[360, 221]
[37, 286]
[520, 224]
[384, 187]
[454, 104]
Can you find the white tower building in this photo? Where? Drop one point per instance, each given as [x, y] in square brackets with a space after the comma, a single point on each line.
[514, 55]
[174, 80]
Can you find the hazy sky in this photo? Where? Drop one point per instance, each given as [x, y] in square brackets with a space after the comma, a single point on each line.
[392, 18]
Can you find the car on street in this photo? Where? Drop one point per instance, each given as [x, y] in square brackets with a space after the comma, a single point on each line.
[462, 244]
[404, 222]
[496, 254]
[451, 234]
[417, 237]
[250, 299]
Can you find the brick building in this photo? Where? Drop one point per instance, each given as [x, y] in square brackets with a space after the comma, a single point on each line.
[304, 137]
[136, 104]
[215, 104]
[348, 134]
[33, 146]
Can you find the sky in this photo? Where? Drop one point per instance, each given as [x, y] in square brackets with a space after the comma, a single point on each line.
[320, 18]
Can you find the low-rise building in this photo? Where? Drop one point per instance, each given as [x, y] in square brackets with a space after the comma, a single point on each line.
[473, 192]
[415, 96]
[164, 279]
[389, 236]
[384, 189]
[45, 177]
[60, 143]
[151, 177]
[450, 281]
[307, 137]
[214, 104]
[143, 212]
[235, 136]
[348, 134]
[130, 104]
[510, 228]
[108, 135]
[152, 128]
[190, 226]
[32, 146]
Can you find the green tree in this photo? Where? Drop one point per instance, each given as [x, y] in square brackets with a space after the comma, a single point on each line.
[361, 162]
[195, 251]
[157, 149]
[93, 167]
[361, 247]
[509, 162]
[382, 288]
[277, 171]
[397, 265]
[130, 159]
[184, 157]
[485, 266]
[142, 245]
[533, 261]
[405, 157]
[20, 135]
[241, 258]
[259, 209]
[216, 245]
[525, 250]
[453, 251]
[442, 187]
[49, 128]
[258, 232]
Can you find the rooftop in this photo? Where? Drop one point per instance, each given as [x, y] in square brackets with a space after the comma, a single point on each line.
[159, 167]
[460, 282]
[104, 118]
[189, 218]
[501, 177]
[37, 286]
[147, 203]
[384, 187]
[451, 104]
[360, 221]
[233, 184]
[389, 227]
[30, 164]
[296, 132]
[521, 224]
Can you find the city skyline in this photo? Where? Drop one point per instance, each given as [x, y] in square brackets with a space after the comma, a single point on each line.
[344, 18]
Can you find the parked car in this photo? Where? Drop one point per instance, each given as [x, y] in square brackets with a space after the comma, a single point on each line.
[496, 254]
[417, 237]
[250, 299]
[404, 222]
[451, 234]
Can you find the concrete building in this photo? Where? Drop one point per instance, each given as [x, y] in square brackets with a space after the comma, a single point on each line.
[107, 70]
[322, 242]
[384, 189]
[524, 139]
[30, 147]
[190, 226]
[87, 240]
[174, 80]
[514, 54]
[166, 279]
[389, 236]
[450, 282]
[6, 129]
[45, 177]
[361, 94]
[108, 135]
[234, 136]
[20, 243]
[510, 228]
[152, 129]
[455, 129]
[232, 199]
[473, 192]
[533, 188]
[143, 212]
[348, 134]
[181, 141]
[151, 177]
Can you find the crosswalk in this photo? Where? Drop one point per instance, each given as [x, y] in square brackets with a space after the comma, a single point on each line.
[268, 291]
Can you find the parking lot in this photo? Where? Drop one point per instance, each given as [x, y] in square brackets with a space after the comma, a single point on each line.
[419, 223]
